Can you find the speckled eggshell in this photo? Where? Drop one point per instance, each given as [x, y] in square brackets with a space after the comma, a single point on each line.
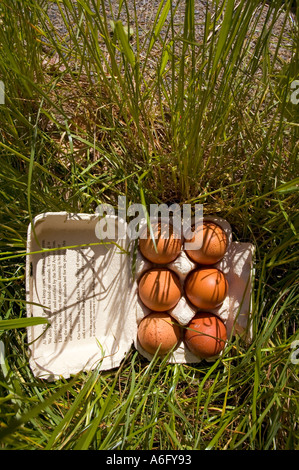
[158, 331]
[168, 243]
[214, 244]
[206, 335]
[159, 289]
[206, 288]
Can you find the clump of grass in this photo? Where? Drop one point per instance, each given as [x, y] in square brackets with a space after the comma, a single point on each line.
[192, 110]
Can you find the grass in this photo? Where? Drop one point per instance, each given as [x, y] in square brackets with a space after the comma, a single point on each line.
[191, 111]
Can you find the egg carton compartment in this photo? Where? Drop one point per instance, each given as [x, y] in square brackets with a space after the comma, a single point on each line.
[88, 293]
[236, 265]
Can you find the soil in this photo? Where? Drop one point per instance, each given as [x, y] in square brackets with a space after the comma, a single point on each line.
[146, 12]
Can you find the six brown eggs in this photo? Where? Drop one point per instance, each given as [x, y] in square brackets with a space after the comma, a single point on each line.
[205, 287]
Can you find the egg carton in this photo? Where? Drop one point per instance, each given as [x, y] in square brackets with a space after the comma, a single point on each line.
[88, 292]
[236, 265]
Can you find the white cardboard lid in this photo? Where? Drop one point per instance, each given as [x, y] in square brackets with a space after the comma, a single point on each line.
[86, 291]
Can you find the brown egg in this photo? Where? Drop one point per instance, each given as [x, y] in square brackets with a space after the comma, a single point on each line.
[159, 289]
[214, 244]
[168, 244]
[206, 288]
[209, 337]
[158, 330]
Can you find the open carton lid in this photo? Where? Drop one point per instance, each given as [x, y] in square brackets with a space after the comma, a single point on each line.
[87, 291]
[84, 291]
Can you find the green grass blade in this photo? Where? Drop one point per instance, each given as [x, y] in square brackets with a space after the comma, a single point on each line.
[124, 42]
[159, 21]
[11, 324]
